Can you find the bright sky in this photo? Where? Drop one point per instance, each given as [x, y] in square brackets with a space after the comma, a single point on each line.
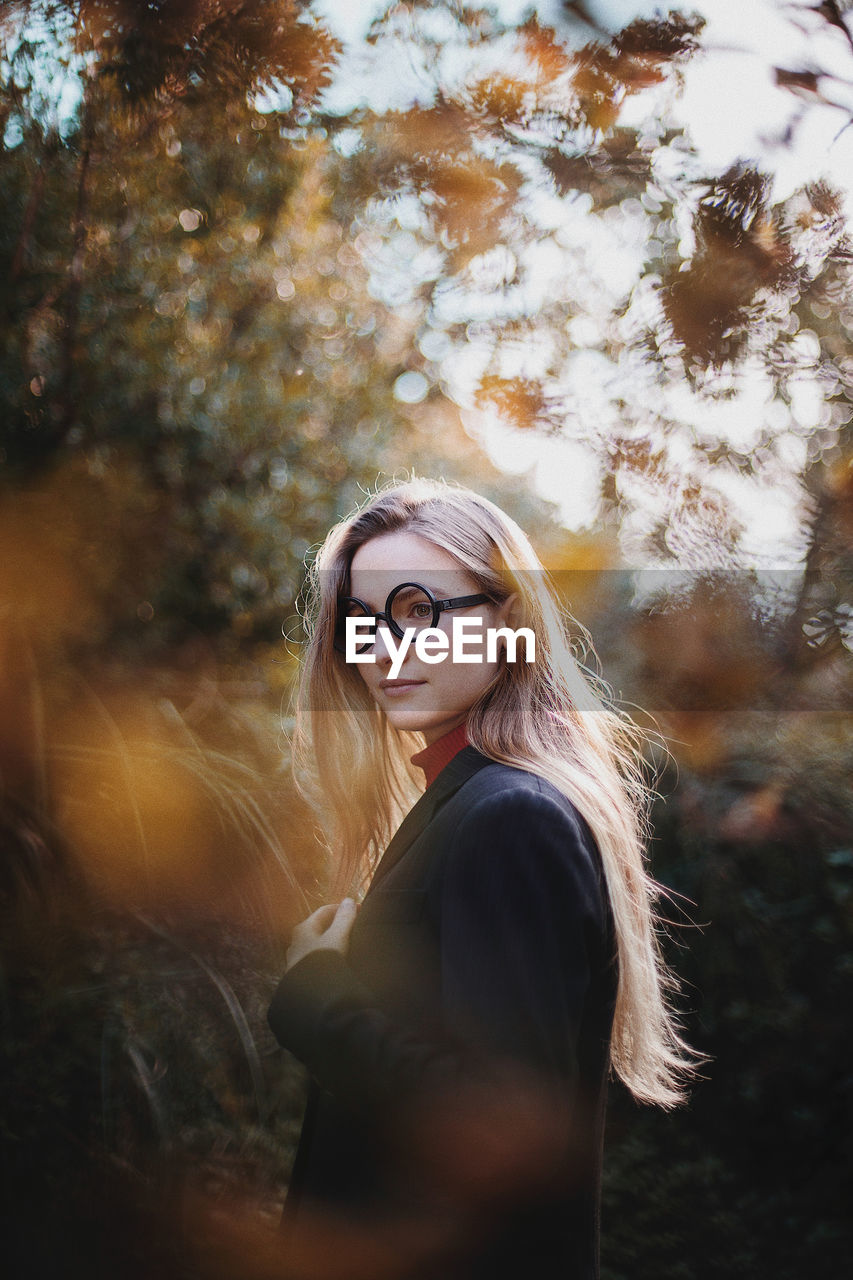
[731, 103]
[733, 110]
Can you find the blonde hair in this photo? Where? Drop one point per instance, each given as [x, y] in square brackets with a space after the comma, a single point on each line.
[548, 717]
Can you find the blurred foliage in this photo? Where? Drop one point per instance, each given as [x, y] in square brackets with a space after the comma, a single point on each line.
[226, 311]
[758, 1179]
[609, 289]
[194, 349]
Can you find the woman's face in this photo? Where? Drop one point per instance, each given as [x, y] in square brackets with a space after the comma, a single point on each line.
[430, 698]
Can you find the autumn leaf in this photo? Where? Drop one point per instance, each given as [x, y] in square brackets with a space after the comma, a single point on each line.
[519, 400]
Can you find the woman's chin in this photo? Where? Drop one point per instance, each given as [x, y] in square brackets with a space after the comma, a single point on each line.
[408, 719]
[409, 722]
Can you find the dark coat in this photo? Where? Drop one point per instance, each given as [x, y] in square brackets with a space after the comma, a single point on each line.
[470, 1021]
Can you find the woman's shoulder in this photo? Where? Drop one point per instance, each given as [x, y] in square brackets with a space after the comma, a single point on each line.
[513, 832]
[506, 787]
[503, 799]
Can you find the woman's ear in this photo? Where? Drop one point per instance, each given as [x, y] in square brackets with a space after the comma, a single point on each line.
[508, 610]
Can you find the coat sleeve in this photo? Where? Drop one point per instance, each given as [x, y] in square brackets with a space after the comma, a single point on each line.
[521, 914]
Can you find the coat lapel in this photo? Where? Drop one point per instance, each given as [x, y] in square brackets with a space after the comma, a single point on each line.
[463, 766]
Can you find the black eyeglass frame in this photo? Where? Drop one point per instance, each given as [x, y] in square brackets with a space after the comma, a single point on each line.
[438, 608]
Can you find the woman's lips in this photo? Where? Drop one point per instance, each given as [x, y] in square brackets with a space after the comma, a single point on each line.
[395, 687]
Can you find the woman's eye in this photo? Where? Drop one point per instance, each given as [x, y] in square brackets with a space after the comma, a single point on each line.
[421, 610]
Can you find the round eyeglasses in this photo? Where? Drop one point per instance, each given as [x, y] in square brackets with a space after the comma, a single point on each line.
[409, 606]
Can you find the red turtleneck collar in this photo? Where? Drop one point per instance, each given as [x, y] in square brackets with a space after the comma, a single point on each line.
[439, 753]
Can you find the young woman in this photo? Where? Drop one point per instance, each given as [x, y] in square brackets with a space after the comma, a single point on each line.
[460, 1024]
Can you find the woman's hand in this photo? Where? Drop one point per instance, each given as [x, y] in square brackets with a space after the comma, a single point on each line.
[326, 929]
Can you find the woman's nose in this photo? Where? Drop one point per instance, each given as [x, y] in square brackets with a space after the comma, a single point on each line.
[384, 657]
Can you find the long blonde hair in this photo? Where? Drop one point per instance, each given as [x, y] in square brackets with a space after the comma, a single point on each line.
[548, 717]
